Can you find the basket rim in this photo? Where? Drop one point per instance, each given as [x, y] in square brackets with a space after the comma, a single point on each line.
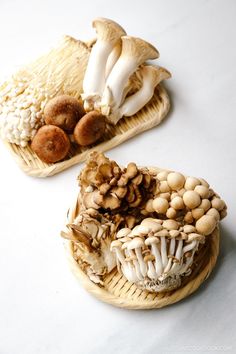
[127, 303]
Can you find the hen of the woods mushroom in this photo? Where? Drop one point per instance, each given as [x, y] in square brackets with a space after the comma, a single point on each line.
[148, 224]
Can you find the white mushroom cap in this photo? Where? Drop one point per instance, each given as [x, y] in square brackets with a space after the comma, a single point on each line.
[151, 240]
[139, 230]
[151, 225]
[123, 232]
[137, 242]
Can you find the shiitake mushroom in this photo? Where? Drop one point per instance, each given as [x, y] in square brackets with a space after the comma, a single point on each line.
[64, 111]
[90, 128]
[51, 144]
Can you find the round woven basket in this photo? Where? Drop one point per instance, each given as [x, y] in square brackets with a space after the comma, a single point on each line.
[117, 291]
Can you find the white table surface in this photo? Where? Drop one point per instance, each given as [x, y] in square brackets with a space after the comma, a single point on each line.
[42, 307]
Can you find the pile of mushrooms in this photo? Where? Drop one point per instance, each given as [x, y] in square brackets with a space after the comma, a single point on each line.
[147, 224]
[155, 253]
[114, 58]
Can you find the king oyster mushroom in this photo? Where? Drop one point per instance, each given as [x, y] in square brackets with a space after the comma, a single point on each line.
[108, 36]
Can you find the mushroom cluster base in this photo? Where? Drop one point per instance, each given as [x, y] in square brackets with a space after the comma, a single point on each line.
[146, 229]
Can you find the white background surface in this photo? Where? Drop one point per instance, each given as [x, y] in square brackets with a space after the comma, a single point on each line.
[42, 307]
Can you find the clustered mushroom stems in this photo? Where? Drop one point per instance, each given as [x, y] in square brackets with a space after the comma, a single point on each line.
[148, 224]
[114, 58]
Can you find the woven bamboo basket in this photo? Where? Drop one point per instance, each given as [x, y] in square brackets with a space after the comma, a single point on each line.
[64, 68]
[119, 292]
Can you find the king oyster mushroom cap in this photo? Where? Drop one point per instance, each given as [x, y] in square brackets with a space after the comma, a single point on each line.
[135, 51]
[151, 76]
[108, 35]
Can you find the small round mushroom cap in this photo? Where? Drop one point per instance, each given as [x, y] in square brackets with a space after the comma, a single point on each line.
[188, 217]
[64, 111]
[162, 176]
[160, 205]
[164, 187]
[149, 207]
[197, 213]
[123, 232]
[137, 242]
[191, 199]
[203, 191]
[218, 204]
[170, 224]
[139, 230]
[90, 128]
[206, 224]
[177, 203]
[189, 229]
[174, 233]
[213, 212]
[51, 144]
[151, 240]
[171, 213]
[175, 180]
[205, 204]
[191, 183]
[195, 236]
[151, 225]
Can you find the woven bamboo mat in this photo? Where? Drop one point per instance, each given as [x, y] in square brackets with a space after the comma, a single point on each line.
[119, 292]
[61, 71]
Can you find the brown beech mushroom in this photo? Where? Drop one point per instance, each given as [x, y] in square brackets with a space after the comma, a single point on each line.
[90, 128]
[63, 111]
[51, 144]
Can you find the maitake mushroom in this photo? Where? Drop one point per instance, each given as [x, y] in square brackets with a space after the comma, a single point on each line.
[114, 59]
[147, 224]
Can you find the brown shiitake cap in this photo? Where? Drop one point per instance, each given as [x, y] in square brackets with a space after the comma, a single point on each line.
[90, 128]
[51, 144]
[63, 111]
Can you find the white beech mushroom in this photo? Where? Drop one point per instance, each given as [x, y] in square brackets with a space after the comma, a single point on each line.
[108, 35]
[135, 51]
[151, 76]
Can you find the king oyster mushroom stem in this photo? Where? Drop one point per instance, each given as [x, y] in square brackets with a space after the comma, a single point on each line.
[112, 59]
[150, 76]
[135, 51]
[108, 35]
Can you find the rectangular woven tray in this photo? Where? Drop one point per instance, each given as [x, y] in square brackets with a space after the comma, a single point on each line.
[61, 71]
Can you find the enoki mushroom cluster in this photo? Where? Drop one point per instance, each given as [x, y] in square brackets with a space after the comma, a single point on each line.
[148, 224]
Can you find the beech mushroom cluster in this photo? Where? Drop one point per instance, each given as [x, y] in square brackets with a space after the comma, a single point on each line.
[114, 58]
[156, 253]
[187, 199]
[149, 224]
